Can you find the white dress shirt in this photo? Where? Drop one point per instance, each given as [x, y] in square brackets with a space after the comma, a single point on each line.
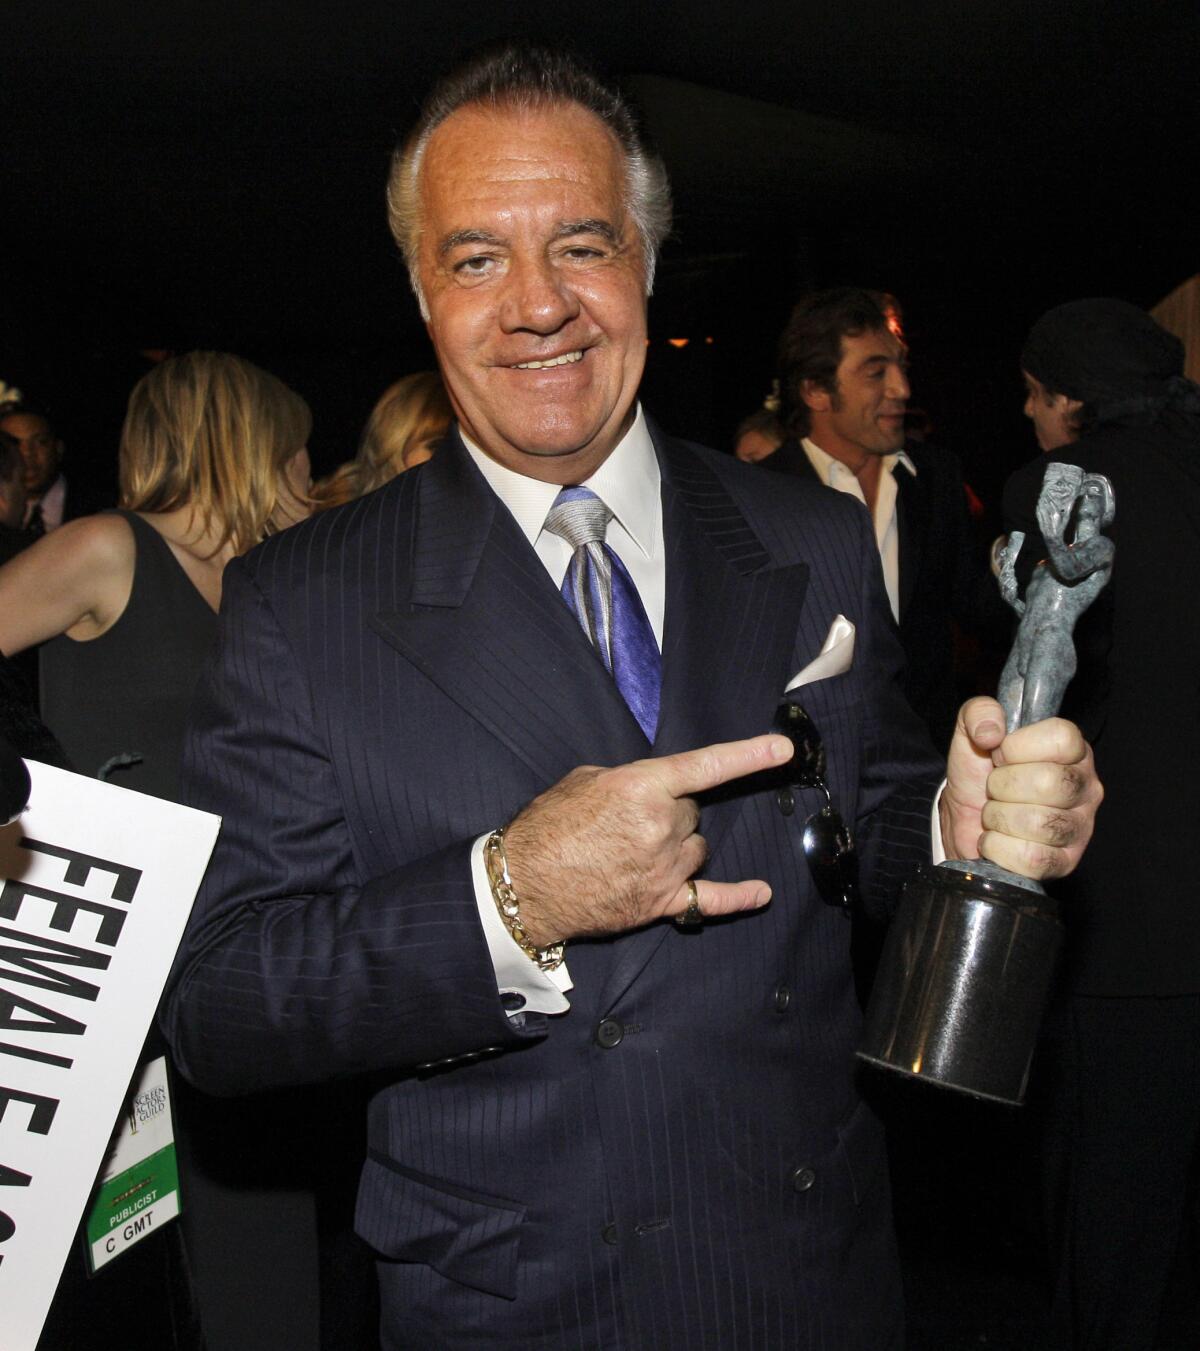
[53, 504]
[629, 484]
[837, 475]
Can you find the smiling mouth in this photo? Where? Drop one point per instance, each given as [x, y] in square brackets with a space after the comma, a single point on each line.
[567, 359]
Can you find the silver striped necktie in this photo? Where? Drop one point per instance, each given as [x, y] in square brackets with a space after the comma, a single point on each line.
[581, 518]
[599, 589]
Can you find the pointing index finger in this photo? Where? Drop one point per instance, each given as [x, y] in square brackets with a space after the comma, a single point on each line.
[692, 772]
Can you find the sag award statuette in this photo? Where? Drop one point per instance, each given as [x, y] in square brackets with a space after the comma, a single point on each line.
[967, 964]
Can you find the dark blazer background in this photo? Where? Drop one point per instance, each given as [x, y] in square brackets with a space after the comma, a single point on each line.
[85, 498]
[682, 1159]
[944, 580]
[1133, 925]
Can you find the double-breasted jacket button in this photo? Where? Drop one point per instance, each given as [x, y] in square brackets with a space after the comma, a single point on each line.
[783, 998]
[786, 800]
[803, 1178]
[609, 1234]
[609, 1033]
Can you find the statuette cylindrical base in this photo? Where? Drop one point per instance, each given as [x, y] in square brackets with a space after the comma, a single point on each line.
[963, 981]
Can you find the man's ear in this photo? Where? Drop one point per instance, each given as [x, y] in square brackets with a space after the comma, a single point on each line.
[817, 399]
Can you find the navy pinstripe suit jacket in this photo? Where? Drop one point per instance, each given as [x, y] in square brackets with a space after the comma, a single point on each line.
[397, 677]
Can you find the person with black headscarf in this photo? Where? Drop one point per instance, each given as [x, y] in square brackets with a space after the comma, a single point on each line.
[1120, 1062]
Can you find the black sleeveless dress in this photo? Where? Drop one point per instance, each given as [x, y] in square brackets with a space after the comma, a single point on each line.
[118, 703]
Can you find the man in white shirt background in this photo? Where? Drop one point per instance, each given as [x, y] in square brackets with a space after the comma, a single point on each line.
[844, 390]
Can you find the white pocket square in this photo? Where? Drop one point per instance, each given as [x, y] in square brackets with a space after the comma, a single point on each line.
[835, 657]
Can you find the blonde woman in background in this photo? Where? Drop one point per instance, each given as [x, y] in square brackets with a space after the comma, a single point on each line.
[213, 457]
[406, 424]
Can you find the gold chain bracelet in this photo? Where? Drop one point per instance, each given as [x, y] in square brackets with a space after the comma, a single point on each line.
[505, 895]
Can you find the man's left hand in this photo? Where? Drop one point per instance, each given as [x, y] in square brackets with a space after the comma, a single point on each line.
[1026, 800]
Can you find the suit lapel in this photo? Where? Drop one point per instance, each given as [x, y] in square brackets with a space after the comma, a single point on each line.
[728, 637]
[485, 623]
[731, 615]
[912, 521]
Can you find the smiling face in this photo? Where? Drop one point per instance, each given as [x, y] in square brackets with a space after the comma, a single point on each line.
[1053, 415]
[863, 414]
[532, 270]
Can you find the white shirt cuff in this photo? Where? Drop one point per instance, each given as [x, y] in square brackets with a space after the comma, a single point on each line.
[935, 830]
[516, 973]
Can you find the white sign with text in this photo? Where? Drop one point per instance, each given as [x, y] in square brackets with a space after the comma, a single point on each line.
[96, 883]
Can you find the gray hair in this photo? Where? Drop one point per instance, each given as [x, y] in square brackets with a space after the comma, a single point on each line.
[524, 78]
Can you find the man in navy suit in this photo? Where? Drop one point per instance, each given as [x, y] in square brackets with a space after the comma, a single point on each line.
[655, 1142]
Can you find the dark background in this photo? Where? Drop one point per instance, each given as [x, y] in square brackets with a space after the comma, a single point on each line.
[211, 174]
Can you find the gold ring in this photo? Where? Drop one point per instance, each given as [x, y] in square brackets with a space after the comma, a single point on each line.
[693, 916]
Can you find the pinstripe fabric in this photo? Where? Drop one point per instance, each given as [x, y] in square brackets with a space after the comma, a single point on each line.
[398, 676]
[943, 576]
